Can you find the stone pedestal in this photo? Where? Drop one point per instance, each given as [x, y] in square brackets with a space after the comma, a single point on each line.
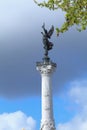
[46, 70]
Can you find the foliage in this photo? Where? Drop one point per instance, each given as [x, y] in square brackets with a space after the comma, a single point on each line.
[75, 13]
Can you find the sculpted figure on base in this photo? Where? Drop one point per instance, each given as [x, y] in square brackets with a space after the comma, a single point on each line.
[46, 36]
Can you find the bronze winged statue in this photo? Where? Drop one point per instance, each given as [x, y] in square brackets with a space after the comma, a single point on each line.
[46, 36]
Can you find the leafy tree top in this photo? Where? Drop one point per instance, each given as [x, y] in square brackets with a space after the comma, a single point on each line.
[75, 12]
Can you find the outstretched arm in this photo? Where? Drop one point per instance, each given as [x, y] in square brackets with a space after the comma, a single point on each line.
[43, 26]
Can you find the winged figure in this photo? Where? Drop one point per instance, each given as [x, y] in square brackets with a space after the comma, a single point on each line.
[46, 36]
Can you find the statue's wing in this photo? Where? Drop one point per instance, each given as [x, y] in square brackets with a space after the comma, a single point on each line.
[51, 31]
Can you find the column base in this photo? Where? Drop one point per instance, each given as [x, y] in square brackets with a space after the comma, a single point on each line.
[47, 125]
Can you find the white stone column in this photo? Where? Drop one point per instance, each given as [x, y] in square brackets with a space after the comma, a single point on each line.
[46, 71]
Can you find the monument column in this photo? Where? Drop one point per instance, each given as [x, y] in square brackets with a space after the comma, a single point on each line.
[46, 70]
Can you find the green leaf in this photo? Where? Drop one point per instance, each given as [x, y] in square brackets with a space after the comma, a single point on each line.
[76, 12]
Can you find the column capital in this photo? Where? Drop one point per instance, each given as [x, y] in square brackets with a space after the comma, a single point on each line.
[46, 67]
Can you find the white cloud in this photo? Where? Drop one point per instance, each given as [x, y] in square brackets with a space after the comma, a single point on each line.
[16, 121]
[78, 93]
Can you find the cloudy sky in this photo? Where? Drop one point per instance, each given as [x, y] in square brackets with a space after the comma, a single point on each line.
[20, 48]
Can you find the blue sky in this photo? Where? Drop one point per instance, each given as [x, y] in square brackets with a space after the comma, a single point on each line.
[20, 48]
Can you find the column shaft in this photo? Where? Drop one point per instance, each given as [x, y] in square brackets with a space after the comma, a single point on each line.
[46, 71]
[47, 107]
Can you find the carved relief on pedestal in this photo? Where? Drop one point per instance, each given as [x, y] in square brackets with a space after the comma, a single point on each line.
[48, 125]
